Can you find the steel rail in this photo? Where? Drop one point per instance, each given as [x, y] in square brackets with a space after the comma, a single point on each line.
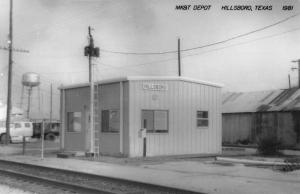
[56, 183]
[147, 186]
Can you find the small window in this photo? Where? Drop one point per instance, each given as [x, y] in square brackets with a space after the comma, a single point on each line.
[27, 125]
[110, 121]
[74, 121]
[155, 121]
[18, 125]
[202, 118]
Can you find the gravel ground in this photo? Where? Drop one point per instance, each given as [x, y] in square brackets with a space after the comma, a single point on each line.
[13, 185]
[111, 185]
[9, 190]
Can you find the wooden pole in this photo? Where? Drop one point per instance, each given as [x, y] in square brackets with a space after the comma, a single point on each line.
[91, 79]
[10, 62]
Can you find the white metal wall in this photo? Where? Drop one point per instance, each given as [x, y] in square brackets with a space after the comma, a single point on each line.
[182, 99]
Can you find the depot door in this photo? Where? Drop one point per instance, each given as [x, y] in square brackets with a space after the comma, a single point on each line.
[75, 131]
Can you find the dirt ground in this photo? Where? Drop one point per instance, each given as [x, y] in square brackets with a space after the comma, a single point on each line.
[199, 172]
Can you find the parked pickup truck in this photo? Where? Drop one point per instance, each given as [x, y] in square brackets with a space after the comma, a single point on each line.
[18, 130]
[51, 129]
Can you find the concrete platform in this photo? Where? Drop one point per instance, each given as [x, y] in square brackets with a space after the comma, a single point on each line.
[199, 176]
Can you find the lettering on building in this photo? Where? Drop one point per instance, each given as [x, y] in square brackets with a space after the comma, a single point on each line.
[155, 87]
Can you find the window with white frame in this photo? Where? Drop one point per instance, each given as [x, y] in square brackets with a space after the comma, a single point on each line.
[74, 122]
[202, 118]
[155, 121]
[110, 121]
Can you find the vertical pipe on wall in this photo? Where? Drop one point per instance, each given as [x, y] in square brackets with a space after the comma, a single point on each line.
[121, 117]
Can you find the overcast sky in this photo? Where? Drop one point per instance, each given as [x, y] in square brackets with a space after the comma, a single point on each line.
[55, 33]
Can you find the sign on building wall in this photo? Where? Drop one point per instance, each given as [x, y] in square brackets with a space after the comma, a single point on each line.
[155, 87]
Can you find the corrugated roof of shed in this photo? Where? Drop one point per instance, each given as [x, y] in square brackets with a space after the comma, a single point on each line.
[262, 101]
[145, 78]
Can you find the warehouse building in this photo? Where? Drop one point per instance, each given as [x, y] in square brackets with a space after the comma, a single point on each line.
[180, 115]
[248, 116]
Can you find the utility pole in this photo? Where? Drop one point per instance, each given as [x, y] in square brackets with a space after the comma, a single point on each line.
[10, 43]
[289, 77]
[294, 68]
[179, 58]
[91, 51]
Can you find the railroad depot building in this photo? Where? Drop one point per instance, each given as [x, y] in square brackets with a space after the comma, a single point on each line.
[180, 115]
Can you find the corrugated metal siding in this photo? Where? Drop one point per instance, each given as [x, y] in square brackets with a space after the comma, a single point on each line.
[182, 100]
[109, 99]
[236, 127]
[251, 126]
[75, 101]
[262, 101]
[286, 125]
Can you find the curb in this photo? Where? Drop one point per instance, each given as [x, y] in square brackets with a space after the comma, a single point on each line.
[246, 161]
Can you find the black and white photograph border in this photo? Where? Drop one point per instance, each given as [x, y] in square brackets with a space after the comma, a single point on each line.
[150, 96]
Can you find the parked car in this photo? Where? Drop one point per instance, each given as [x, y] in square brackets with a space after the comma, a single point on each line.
[18, 130]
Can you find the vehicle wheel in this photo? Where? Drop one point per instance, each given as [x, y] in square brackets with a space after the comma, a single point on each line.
[50, 136]
[3, 138]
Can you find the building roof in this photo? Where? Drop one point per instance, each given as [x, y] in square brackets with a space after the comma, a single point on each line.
[262, 101]
[145, 78]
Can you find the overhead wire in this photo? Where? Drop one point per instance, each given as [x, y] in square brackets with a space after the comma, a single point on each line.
[202, 46]
[115, 67]
[245, 42]
[212, 50]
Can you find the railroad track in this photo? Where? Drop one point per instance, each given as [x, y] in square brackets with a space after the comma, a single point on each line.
[78, 182]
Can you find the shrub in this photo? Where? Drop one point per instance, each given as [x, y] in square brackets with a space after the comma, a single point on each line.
[268, 145]
[243, 141]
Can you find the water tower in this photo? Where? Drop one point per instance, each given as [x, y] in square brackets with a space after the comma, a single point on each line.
[29, 80]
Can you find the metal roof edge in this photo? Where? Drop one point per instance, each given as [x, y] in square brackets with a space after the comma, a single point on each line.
[136, 78]
[174, 78]
[80, 85]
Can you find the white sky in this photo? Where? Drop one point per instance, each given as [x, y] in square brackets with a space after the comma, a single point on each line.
[55, 33]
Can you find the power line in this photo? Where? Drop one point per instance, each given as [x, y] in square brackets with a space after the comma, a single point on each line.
[221, 48]
[111, 66]
[245, 42]
[169, 59]
[202, 46]
[14, 49]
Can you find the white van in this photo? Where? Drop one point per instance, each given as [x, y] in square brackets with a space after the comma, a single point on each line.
[18, 129]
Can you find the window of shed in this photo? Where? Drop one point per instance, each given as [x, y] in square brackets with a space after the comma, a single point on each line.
[155, 121]
[110, 121]
[74, 121]
[202, 118]
[18, 125]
